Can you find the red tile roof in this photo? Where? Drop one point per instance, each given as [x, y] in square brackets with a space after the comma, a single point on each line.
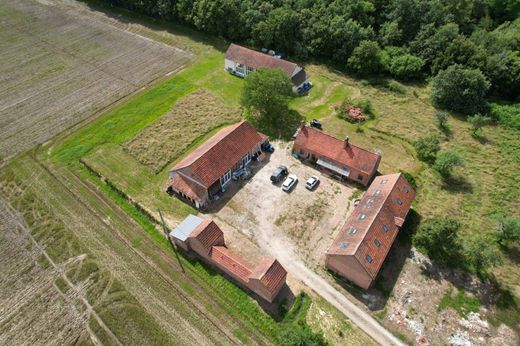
[188, 187]
[220, 153]
[271, 273]
[254, 59]
[376, 221]
[334, 150]
[208, 233]
[231, 263]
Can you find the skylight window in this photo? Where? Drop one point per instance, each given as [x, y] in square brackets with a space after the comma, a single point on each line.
[377, 242]
[369, 258]
[362, 217]
[405, 189]
[399, 201]
[352, 230]
[384, 181]
[385, 228]
[343, 245]
[377, 192]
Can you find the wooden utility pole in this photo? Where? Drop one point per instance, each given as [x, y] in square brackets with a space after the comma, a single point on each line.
[166, 233]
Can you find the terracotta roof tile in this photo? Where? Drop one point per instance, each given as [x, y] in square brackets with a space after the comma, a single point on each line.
[389, 198]
[188, 187]
[208, 233]
[334, 150]
[231, 263]
[220, 153]
[254, 59]
[271, 273]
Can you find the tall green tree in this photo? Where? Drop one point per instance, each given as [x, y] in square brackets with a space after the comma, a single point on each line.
[366, 58]
[439, 238]
[427, 147]
[447, 160]
[460, 89]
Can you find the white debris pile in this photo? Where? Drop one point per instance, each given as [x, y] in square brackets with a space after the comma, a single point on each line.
[474, 323]
[460, 338]
[412, 325]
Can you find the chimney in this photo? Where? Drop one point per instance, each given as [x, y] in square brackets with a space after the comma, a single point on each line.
[345, 142]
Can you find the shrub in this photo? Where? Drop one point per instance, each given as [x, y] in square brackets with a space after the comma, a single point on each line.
[439, 238]
[508, 230]
[397, 87]
[447, 160]
[480, 254]
[442, 119]
[506, 115]
[410, 179]
[477, 121]
[427, 147]
[460, 89]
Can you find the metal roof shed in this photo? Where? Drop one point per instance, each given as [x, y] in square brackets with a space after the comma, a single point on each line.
[186, 227]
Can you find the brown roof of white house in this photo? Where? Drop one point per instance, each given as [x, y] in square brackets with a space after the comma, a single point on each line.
[335, 150]
[374, 224]
[255, 59]
[219, 154]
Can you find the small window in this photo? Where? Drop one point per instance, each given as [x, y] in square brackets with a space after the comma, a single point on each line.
[377, 242]
[368, 258]
[384, 181]
[361, 216]
[352, 230]
[377, 192]
[302, 152]
[360, 177]
[343, 245]
[385, 228]
[399, 201]
[405, 189]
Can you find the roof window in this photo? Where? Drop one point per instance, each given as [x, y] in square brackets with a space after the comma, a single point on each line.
[377, 192]
[377, 242]
[385, 228]
[343, 245]
[405, 189]
[399, 201]
[362, 216]
[384, 181]
[352, 230]
[369, 258]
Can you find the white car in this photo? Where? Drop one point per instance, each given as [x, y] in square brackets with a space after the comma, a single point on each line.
[312, 182]
[289, 182]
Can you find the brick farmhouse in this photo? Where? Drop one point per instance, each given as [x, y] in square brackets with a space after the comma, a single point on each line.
[205, 172]
[206, 239]
[337, 157]
[365, 239]
[241, 61]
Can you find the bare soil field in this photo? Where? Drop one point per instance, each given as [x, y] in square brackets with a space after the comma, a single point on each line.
[62, 62]
[169, 136]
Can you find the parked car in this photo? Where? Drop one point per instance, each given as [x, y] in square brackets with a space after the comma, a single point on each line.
[316, 123]
[304, 88]
[312, 182]
[267, 147]
[289, 183]
[279, 173]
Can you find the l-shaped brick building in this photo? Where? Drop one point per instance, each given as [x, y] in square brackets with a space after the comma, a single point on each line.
[206, 239]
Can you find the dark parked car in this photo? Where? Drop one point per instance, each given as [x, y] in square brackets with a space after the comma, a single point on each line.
[267, 147]
[316, 123]
[279, 173]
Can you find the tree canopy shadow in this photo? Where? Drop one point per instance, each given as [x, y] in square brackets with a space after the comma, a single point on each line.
[284, 128]
[457, 184]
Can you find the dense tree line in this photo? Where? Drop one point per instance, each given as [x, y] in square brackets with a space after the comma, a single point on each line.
[404, 38]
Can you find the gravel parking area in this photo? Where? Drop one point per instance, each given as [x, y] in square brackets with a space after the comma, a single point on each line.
[306, 220]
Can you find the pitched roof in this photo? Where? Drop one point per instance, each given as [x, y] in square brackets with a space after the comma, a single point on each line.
[299, 78]
[373, 226]
[334, 150]
[220, 153]
[254, 59]
[229, 262]
[188, 187]
[207, 233]
[271, 273]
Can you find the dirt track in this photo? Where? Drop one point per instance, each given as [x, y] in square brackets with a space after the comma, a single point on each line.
[62, 62]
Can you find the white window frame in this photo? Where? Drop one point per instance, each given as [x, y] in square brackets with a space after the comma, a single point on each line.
[225, 178]
[246, 159]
